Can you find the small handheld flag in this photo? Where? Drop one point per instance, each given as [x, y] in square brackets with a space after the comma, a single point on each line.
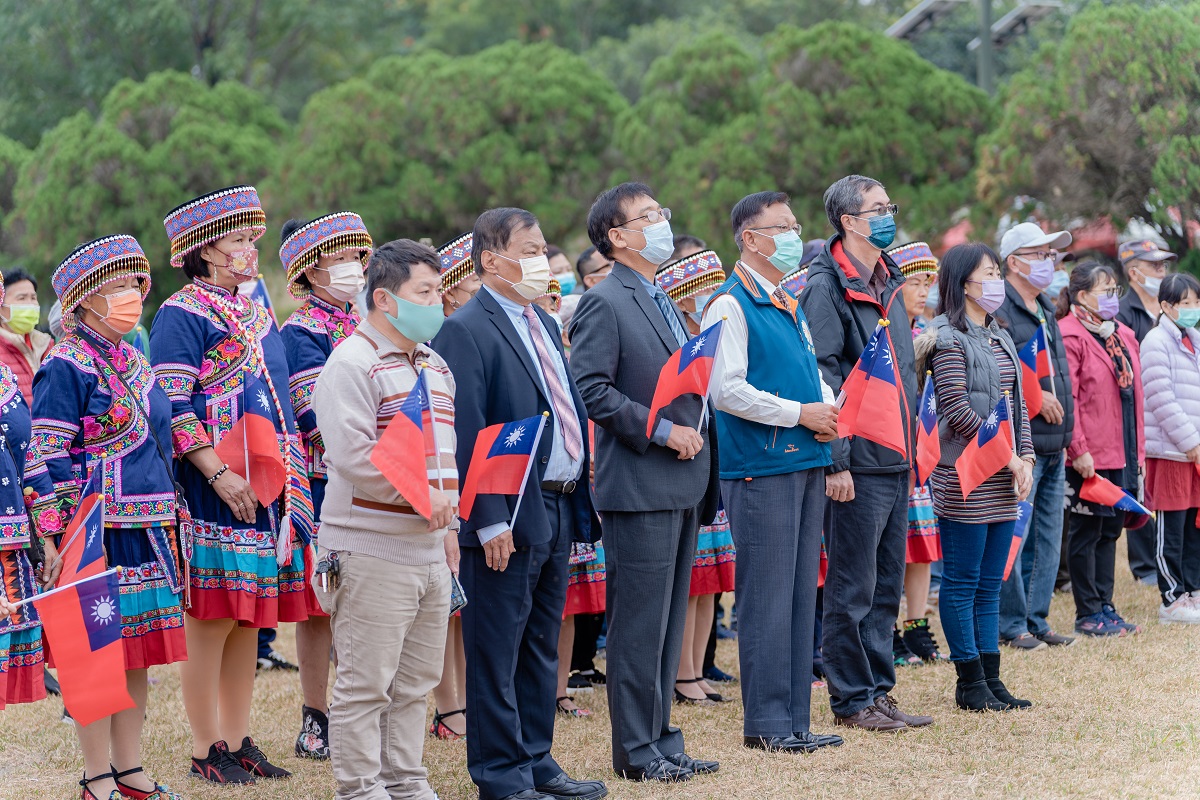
[1024, 518]
[1035, 365]
[988, 452]
[870, 397]
[929, 442]
[251, 447]
[399, 455]
[83, 553]
[687, 371]
[501, 461]
[1104, 492]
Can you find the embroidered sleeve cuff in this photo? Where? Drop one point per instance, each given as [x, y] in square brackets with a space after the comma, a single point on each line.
[187, 434]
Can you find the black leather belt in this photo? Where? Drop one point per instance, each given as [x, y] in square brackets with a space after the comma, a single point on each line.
[559, 487]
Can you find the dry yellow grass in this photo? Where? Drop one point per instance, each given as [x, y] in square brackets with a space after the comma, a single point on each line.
[1114, 719]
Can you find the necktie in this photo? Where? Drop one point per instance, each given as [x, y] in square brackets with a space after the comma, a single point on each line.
[668, 311]
[568, 424]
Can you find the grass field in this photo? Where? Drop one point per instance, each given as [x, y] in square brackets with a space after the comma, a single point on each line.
[1114, 719]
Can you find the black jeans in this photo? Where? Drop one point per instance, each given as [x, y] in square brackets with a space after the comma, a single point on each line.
[1092, 560]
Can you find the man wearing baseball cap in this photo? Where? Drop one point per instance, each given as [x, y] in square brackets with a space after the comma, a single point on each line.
[1145, 265]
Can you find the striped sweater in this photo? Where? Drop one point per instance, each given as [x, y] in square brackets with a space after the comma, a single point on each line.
[358, 392]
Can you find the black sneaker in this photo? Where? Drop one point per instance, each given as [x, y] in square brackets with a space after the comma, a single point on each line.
[273, 660]
[577, 683]
[901, 655]
[220, 766]
[313, 741]
[593, 676]
[918, 638]
[254, 761]
[1026, 641]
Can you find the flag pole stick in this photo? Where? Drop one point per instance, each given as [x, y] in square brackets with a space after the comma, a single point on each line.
[704, 397]
[1050, 361]
[437, 448]
[245, 435]
[57, 589]
[537, 437]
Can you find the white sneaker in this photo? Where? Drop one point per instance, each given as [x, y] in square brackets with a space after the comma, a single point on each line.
[1182, 610]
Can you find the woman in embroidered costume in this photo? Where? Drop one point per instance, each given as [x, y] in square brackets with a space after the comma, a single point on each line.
[21, 564]
[97, 406]
[248, 555]
[324, 261]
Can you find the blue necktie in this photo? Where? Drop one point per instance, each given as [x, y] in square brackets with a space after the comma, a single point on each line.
[668, 311]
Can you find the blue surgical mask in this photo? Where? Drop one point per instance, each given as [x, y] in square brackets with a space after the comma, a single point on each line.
[883, 231]
[416, 322]
[789, 249]
[697, 316]
[1060, 281]
[567, 281]
[660, 242]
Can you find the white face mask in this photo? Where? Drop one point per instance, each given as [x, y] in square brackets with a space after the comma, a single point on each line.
[535, 276]
[345, 280]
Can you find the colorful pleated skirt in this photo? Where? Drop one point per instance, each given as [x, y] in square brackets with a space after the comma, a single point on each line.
[714, 567]
[22, 659]
[585, 580]
[151, 612]
[924, 541]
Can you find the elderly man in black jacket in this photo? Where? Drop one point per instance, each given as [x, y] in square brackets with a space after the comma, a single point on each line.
[852, 285]
[1029, 255]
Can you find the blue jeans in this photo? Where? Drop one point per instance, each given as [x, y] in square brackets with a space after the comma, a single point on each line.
[974, 555]
[1025, 596]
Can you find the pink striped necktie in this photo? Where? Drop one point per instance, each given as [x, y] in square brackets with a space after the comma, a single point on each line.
[568, 425]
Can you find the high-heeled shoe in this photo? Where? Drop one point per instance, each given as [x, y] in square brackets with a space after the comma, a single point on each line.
[440, 730]
[577, 712]
[88, 794]
[716, 697]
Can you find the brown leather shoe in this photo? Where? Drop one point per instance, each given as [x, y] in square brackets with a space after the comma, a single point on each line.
[887, 706]
[871, 719]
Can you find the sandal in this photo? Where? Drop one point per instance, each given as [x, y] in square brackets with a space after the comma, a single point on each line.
[440, 730]
[577, 712]
[87, 793]
[683, 700]
[159, 792]
[716, 697]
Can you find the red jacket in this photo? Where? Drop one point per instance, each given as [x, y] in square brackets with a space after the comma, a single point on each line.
[1097, 397]
[23, 355]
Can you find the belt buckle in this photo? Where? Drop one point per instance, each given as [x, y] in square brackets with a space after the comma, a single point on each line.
[568, 487]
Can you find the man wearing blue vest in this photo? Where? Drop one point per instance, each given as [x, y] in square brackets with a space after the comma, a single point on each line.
[775, 416]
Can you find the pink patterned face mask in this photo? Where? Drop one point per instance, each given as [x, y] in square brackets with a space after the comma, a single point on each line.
[243, 263]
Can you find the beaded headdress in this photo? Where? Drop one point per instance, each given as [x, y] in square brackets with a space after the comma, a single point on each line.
[94, 264]
[213, 216]
[795, 281]
[327, 235]
[914, 258]
[699, 273]
[455, 261]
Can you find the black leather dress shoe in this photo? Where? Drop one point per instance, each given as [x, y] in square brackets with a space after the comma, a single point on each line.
[528, 794]
[695, 765]
[564, 787]
[660, 769]
[779, 744]
[818, 740]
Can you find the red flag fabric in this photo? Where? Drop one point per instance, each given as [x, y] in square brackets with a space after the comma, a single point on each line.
[399, 455]
[929, 440]
[1024, 518]
[870, 400]
[988, 452]
[251, 448]
[687, 371]
[1035, 365]
[501, 460]
[1104, 492]
[82, 552]
[82, 622]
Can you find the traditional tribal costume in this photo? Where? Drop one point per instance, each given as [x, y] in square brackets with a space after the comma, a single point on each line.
[795, 281]
[455, 261]
[698, 276]
[85, 417]
[203, 341]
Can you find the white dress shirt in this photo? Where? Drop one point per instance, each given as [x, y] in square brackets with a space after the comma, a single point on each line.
[730, 392]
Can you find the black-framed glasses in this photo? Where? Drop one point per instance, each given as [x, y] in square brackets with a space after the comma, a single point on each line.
[1040, 255]
[1116, 291]
[796, 229]
[890, 208]
[658, 215]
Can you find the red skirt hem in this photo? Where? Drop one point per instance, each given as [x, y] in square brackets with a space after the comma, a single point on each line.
[711, 579]
[24, 685]
[248, 612]
[923, 550]
[585, 598]
[156, 648]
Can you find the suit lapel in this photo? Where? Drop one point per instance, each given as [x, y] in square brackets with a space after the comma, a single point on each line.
[504, 324]
[633, 283]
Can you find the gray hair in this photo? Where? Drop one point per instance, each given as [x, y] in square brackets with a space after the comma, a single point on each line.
[846, 197]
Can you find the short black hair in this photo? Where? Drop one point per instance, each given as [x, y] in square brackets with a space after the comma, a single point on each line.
[748, 209]
[290, 227]
[1175, 285]
[584, 266]
[553, 250]
[391, 266]
[846, 197]
[683, 241]
[16, 275]
[494, 229]
[957, 265]
[606, 211]
[194, 266]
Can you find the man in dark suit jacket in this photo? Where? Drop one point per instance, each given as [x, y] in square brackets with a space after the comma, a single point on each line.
[650, 489]
[508, 364]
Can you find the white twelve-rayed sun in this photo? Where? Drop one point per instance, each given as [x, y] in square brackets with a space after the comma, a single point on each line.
[698, 345]
[515, 437]
[103, 610]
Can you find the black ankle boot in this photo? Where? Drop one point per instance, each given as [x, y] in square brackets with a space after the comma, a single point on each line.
[991, 672]
[972, 693]
[313, 741]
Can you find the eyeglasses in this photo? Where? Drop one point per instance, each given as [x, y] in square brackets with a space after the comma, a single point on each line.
[652, 217]
[780, 228]
[1041, 255]
[1116, 291]
[890, 208]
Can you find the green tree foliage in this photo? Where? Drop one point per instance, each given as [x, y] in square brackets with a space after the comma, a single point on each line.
[426, 142]
[153, 145]
[13, 156]
[1106, 123]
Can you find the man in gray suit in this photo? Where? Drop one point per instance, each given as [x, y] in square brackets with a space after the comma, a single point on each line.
[652, 492]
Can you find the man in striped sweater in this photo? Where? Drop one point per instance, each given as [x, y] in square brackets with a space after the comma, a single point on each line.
[388, 588]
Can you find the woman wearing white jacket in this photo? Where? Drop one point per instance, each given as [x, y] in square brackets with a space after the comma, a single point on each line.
[1171, 376]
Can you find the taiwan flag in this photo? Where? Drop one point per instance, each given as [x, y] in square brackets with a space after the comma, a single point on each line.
[1104, 492]
[929, 442]
[83, 553]
[1035, 365]
[988, 452]
[1024, 518]
[501, 460]
[687, 371]
[82, 623]
[251, 448]
[399, 455]
[870, 398]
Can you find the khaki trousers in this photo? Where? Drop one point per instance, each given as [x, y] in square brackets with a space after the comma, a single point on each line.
[389, 630]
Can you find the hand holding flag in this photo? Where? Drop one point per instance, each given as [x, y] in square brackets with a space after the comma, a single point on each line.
[251, 447]
[1104, 492]
[870, 397]
[1035, 365]
[929, 441]
[687, 371]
